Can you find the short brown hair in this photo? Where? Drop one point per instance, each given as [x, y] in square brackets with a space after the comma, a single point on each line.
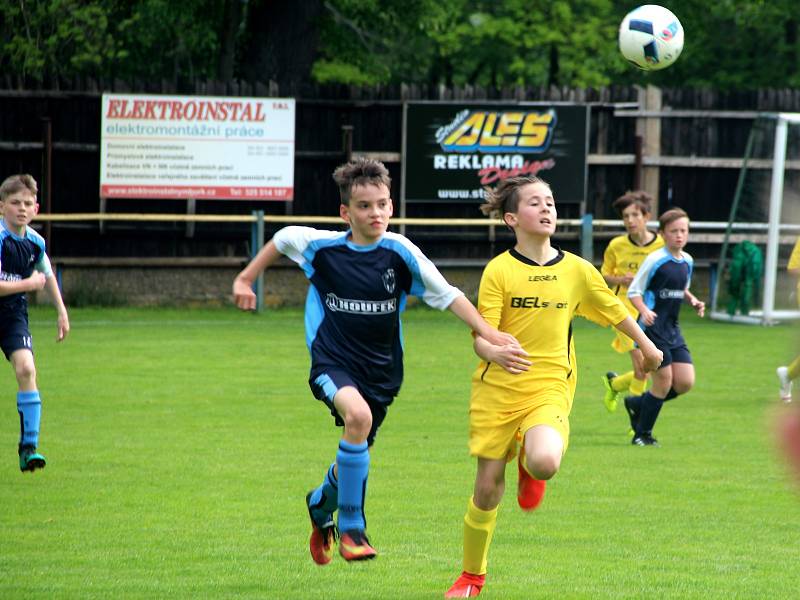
[360, 171]
[505, 196]
[638, 197]
[673, 214]
[18, 183]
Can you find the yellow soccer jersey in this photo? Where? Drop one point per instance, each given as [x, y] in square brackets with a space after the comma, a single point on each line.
[623, 256]
[536, 304]
[794, 263]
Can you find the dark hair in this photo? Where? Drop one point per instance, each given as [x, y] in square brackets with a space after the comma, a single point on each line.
[505, 196]
[673, 214]
[360, 171]
[638, 197]
[18, 183]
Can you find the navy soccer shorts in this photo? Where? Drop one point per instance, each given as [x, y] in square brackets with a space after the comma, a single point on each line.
[14, 333]
[324, 385]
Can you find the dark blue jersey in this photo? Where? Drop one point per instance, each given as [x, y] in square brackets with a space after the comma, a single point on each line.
[19, 256]
[662, 281]
[355, 299]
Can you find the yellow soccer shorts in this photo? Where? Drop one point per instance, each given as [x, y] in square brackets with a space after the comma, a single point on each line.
[498, 419]
[622, 343]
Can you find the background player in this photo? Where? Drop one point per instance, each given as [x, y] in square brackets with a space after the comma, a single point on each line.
[532, 291]
[660, 287]
[621, 260]
[789, 373]
[360, 280]
[24, 267]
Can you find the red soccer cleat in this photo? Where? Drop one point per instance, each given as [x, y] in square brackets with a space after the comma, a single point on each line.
[466, 586]
[322, 540]
[530, 491]
[354, 545]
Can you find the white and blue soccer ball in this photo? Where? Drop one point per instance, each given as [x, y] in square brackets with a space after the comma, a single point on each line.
[651, 37]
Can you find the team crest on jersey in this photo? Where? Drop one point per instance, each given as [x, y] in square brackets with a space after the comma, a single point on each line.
[389, 280]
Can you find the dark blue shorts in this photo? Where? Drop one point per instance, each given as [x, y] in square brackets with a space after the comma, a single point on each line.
[14, 333]
[674, 354]
[324, 385]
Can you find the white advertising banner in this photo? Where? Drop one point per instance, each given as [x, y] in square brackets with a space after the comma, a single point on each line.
[200, 147]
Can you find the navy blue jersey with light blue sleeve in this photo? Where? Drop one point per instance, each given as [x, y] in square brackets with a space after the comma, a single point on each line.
[662, 281]
[19, 257]
[355, 298]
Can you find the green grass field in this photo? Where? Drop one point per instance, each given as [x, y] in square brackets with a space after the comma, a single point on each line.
[181, 443]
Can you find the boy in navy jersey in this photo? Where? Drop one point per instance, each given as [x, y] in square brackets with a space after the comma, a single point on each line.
[659, 288]
[360, 280]
[24, 267]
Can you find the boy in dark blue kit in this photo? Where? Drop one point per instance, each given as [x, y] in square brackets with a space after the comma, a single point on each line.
[24, 267]
[360, 280]
[659, 288]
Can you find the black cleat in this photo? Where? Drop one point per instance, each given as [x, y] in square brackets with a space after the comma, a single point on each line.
[645, 440]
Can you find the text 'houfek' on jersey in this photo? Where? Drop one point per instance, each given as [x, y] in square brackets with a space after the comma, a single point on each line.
[355, 299]
[623, 256]
[536, 304]
[662, 281]
[19, 256]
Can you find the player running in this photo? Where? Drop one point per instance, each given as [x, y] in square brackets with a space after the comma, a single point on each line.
[621, 260]
[360, 280]
[525, 394]
[660, 287]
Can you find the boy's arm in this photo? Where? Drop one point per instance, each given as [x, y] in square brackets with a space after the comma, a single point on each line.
[509, 356]
[652, 355]
[34, 283]
[243, 294]
[464, 310]
[51, 285]
[648, 316]
[696, 304]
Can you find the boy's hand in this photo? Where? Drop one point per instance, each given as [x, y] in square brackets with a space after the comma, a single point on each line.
[511, 357]
[649, 317]
[652, 357]
[699, 306]
[243, 294]
[63, 327]
[499, 338]
[36, 281]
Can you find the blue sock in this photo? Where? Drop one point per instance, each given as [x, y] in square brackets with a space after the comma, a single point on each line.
[29, 407]
[671, 394]
[651, 406]
[352, 462]
[324, 499]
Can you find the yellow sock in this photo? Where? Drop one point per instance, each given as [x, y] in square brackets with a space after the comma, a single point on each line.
[794, 368]
[638, 386]
[478, 529]
[620, 383]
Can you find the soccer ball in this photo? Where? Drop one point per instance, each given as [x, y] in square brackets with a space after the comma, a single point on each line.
[651, 37]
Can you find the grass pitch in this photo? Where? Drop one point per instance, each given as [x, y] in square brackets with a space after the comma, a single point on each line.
[180, 446]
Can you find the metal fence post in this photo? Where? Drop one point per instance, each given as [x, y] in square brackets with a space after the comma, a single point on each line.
[587, 239]
[256, 242]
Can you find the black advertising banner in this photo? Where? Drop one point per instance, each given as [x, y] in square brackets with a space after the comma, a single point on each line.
[453, 150]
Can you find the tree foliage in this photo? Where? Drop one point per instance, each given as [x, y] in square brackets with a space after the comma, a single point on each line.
[730, 44]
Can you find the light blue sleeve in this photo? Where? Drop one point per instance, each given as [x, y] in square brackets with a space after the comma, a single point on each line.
[43, 265]
[639, 284]
[427, 282]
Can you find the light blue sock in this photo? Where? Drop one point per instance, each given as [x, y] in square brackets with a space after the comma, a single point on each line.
[29, 406]
[324, 499]
[352, 461]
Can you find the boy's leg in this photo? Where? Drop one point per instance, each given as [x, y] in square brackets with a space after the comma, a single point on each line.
[29, 407]
[539, 459]
[639, 380]
[352, 466]
[650, 406]
[479, 524]
[321, 503]
[786, 375]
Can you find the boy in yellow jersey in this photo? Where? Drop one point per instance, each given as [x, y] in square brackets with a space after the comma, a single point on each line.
[524, 393]
[621, 260]
[789, 373]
